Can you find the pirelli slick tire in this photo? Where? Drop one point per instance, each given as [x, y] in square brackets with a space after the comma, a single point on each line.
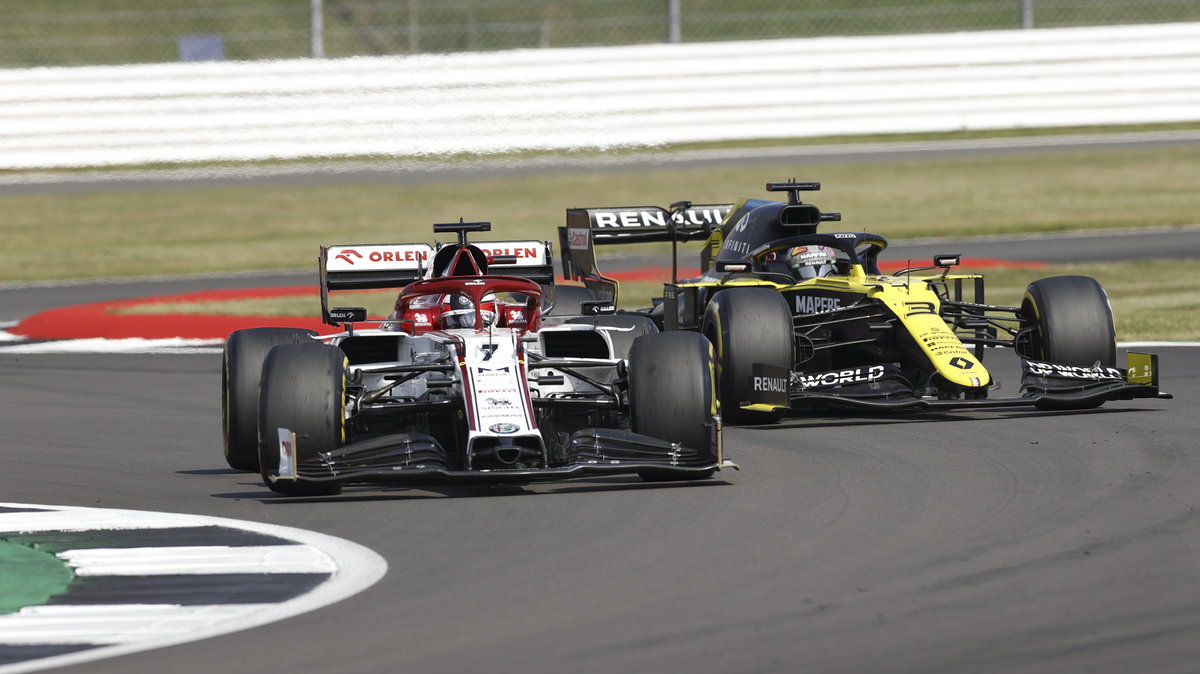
[1072, 321]
[672, 395]
[747, 326]
[303, 390]
[241, 371]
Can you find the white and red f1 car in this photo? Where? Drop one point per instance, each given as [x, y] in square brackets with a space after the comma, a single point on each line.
[472, 377]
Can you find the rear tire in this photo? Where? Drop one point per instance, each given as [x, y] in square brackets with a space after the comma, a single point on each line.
[747, 326]
[672, 394]
[1072, 321]
[241, 372]
[304, 390]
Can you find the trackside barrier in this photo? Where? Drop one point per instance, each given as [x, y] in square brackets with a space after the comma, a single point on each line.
[557, 99]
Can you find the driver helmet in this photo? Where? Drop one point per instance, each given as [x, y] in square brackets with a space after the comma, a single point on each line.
[487, 309]
[457, 318]
[458, 311]
[805, 262]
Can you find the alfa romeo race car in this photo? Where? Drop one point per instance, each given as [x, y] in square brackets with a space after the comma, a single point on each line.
[802, 320]
[472, 377]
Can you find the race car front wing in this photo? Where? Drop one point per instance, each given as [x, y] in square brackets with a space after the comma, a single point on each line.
[1046, 386]
[415, 457]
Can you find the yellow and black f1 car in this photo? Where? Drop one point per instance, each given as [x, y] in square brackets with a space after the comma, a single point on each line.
[802, 320]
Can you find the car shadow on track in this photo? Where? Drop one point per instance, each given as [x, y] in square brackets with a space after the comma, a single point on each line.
[367, 493]
[861, 419]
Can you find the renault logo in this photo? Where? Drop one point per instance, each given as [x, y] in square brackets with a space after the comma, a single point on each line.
[961, 363]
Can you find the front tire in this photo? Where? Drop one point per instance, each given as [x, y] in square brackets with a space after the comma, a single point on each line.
[1071, 321]
[304, 390]
[241, 372]
[672, 395]
[747, 326]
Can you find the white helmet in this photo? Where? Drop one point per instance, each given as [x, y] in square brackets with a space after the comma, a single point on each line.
[457, 318]
[807, 262]
[458, 311]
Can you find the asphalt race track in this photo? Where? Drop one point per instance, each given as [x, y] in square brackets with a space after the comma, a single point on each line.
[987, 541]
[1001, 541]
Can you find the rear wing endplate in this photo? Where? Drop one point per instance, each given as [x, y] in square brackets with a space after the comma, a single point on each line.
[370, 266]
[588, 227]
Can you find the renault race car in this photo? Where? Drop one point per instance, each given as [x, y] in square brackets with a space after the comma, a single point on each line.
[472, 377]
[802, 319]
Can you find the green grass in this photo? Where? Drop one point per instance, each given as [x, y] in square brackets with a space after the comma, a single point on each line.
[192, 229]
[101, 32]
[203, 230]
[1151, 299]
[84, 32]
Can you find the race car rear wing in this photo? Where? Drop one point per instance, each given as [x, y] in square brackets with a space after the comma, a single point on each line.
[369, 266]
[529, 259]
[395, 265]
[588, 227]
[379, 265]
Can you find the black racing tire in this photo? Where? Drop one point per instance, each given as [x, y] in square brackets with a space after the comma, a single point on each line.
[1072, 321]
[241, 372]
[747, 326]
[568, 300]
[622, 340]
[672, 395]
[304, 390]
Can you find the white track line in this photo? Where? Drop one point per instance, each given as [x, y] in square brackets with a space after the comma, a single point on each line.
[122, 629]
[207, 559]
